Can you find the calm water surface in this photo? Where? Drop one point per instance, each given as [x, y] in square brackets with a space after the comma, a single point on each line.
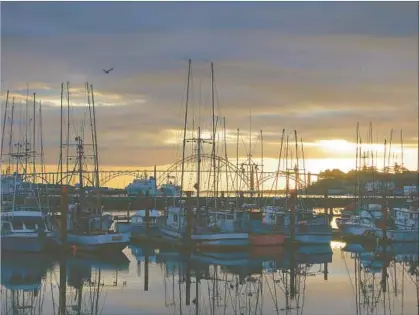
[320, 280]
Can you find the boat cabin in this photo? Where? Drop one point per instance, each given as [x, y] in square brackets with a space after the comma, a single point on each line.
[279, 216]
[227, 221]
[87, 221]
[406, 218]
[22, 221]
[139, 218]
[176, 217]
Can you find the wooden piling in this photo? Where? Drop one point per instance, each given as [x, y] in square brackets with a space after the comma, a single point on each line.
[326, 271]
[146, 263]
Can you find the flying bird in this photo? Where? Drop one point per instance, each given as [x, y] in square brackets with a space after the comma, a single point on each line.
[107, 71]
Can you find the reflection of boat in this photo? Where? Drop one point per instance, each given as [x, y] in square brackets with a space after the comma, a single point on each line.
[117, 261]
[89, 273]
[141, 253]
[21, 276]
[380, 274]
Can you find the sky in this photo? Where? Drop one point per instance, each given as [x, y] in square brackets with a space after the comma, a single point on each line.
[318, 68]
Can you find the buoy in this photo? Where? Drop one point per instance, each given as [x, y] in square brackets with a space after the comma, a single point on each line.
[74, 248]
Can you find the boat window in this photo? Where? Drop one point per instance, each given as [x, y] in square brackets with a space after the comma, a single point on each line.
[175, 218]
[17, 224]
[29, 222]
[30, 225]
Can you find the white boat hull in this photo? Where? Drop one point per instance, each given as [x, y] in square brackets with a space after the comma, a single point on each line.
[103, 243]
[357, 230]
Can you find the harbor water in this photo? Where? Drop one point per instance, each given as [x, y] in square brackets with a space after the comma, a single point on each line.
[320, 280]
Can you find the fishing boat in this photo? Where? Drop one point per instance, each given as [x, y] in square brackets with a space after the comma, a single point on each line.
[148, 186]
[223, 230]
[9, 185]
[403, 225]
[89, 231]
[309, 228]
[194, 224]
[357, 226]
[24, 229]
[137, 223]
[87, 228]
[406, 217]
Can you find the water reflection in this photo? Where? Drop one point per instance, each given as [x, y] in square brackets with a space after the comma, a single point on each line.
[144, 280]
[379, 275]
[22, 283]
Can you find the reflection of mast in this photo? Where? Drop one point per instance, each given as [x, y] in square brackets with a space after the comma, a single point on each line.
[373, 291]
[22, 283]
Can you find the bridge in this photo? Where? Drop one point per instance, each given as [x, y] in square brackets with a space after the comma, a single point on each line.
[236, 177]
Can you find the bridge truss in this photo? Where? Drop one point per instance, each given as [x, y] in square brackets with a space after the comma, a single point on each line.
[234, 177]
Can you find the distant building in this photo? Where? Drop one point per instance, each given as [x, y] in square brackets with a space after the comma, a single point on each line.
[379, 185]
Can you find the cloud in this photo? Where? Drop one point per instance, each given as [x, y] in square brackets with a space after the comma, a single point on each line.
[318, 68]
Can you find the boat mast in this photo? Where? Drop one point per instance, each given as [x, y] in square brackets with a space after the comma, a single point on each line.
[198, 181]
[297, 170]
[95, 137]
[401, 148]
[279, 162]
[11, 134]
[184, 129]
[237, 168]
[80, 154]
[261, 175]
[357, 192]
[389, 150]
[68, 128]
[41, 140]
[304, 165]
[91, 126]
[26, 128]
[34, 138]
[213, 136]
[4, 123]
[225, 151]
[61, 137]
